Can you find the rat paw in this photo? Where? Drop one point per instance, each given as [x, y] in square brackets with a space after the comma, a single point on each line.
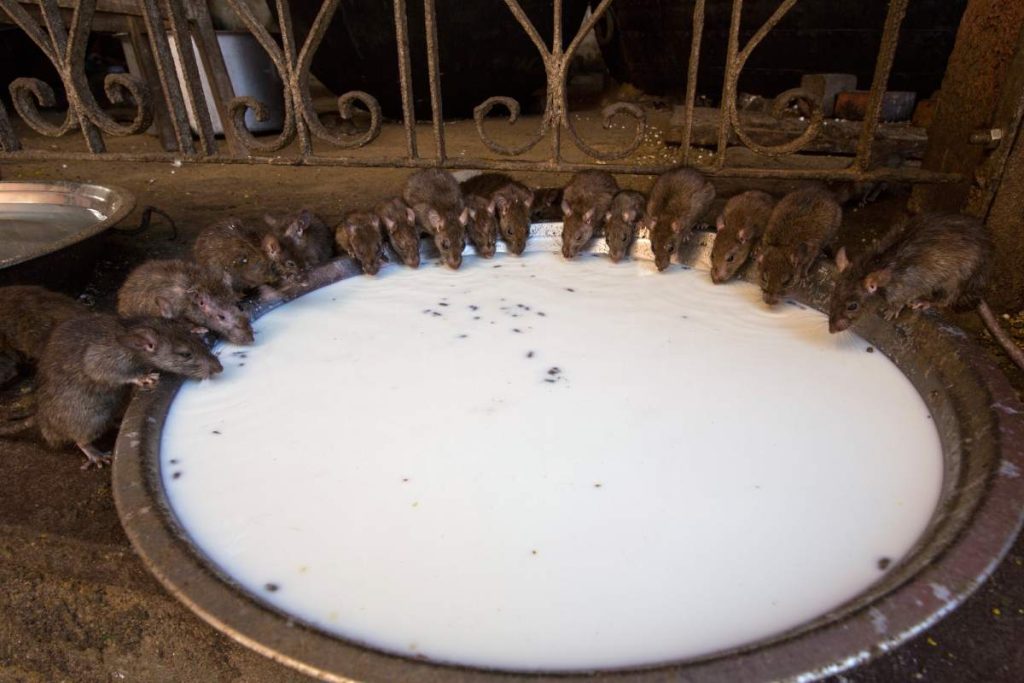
[147, 382]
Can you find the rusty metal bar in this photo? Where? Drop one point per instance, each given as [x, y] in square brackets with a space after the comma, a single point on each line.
[433, 57]
[729, 82]
[691, 77]
[147, 65]
[291, 85]
[556, 101]
[154, 22]
[886, 53]
[216, 70]
[405, 77]
[192, 89]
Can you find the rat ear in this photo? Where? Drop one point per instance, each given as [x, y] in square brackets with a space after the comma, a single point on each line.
[566, 209]
[198, 330]
[499, 201]
[720, 222]
[472, 213]
[677, 226]
[879, 278]
[140, 339]
[842, 262]
[528, 200]
[299, 225]
[410, 215]
[588, 216]
[165, 307]
[271, 247]
[629, 215]
[270, 220]
[435, 219]
[375, 219]
[760, 257]
[202, 300]
[607, 216]
[389, 222]
[464, 216]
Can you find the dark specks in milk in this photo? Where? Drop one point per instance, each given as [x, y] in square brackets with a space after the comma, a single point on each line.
[883, 563]
[272, 587]
[215, 431]
[870, 349]
[529, 354]
[176, 475]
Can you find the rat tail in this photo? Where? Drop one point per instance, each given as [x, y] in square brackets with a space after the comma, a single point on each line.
[11, 427]
[1012, 350]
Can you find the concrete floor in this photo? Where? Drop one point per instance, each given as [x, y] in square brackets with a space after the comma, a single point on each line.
[76, 603]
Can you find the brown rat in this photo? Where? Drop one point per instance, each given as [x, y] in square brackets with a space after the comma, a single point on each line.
[359, 236]
[620, 223]
[240, 257]
[482, 229]
[436, 198]
[399, 221]
[310, 240]
[90, 362]
[800, 226]
[678, 199]
[933, 260]
[182, 290]
[585, 202]
[513, 203]
[28, 315]
[547, 204]
[740, 227]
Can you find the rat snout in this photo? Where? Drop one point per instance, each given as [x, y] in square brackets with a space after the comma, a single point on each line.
[371, 266]
[241, 334]
[662, 261]
[453, 260]
[718, 276]
[771, 298]
[838, 324]
[210, 368]
[615, 256]
[567, 250]
[414, 260]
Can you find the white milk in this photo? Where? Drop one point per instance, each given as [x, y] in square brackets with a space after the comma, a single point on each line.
[483, 467]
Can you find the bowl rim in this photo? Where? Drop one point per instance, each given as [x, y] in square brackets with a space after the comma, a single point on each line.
[121, 201]
[972, 530]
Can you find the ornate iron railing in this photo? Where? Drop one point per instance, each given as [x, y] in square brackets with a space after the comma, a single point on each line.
[303, 132]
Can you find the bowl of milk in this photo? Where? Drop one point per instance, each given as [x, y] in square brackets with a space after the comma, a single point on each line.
[545, 468]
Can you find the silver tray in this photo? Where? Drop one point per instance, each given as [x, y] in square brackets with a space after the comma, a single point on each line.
[37, 219]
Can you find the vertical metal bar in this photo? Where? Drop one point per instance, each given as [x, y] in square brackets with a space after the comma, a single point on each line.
[691, 77]
[405, 78]
[430, 19]
[291, 83]
[149, 73]
[216, 70]
[154, 21]
[192, 86]
[886, 52]
[729, 84]
[557, 77]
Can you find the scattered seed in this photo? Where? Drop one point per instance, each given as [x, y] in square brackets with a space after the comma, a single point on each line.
[176, 475]
[529, 354]
[542, 314]
[870, 349]
[463, 336]
[517, 330]
[569, 289]
[215, 431]
[883, 563]
[555, 370]
[436, 314]
[272, 587]
[441, 303]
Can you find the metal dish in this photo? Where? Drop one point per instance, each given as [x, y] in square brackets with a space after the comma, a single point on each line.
[981, 425]
[37, 219]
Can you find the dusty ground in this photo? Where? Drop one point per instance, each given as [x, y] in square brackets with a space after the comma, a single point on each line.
[76, 603]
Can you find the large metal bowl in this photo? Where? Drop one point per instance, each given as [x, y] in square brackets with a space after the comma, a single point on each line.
[50, 227]
[981, 425]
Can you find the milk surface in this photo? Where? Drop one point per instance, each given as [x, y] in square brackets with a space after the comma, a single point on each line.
[533, 464]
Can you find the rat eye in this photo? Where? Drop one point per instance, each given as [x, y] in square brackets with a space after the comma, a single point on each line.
[852, 306]
[244, 260]
[221, 317]
[730, 258]
[625, 237]
[186, 355]
[787, 281]
[445, 244]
